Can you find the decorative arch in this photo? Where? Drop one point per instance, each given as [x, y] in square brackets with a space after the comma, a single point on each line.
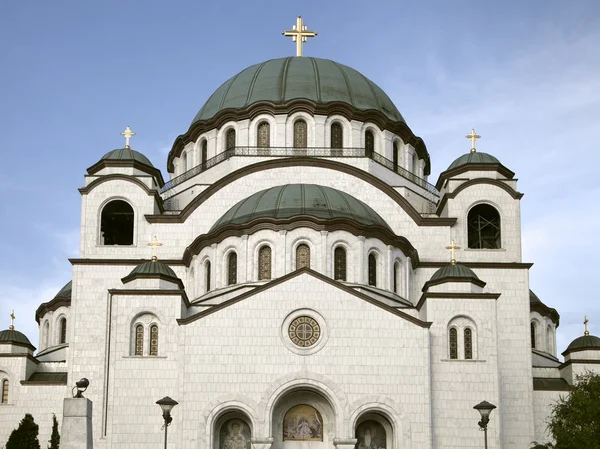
[300, 135]
[377, 408]
[222, 409]
[484, 227]
[303, 256]
[373, 268]
[144, 333]
[369, 139]
[265, 260]
[4, 388]
[332, 141]
[462, 338]
[117, 220]
[263, 134]
[340, 263]
[62, 330]
[533, 327]
[292, 124]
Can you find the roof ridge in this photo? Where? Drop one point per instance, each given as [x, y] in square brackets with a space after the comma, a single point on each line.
[317, 78]
[284, 71]
[339, 66]
[251, 88]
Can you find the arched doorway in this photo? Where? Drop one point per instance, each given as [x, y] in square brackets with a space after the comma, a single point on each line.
[232, 430]
[373, 430]
[303, 419]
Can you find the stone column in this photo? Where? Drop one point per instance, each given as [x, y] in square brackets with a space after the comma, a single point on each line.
[76, 431]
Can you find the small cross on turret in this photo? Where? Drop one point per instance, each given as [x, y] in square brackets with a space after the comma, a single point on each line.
[154, 244]
[585, 323]
[128, 133]
[453, 249]
[473, 137]
[12, 321]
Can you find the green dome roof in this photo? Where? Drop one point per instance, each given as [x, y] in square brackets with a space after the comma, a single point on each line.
[454, 271]
[65, 292]
[282, 80]
[583, 343]
[290, 200]
[126, 154]
[153, 268]
[474, 158]
[16, 337]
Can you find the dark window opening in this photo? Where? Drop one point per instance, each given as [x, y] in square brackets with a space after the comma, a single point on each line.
[395, 156]
[300, 134]
[302, 256]
[484, 227]
[63, 331]
[230, 140]
[533, 335]
[468, 344]
[372, 270]
[263, 136]
[116, 224]
[208, 276]
[337, 137]
[369, 142]
[264, 263]
[232, 269]
[339, 265]
[204, 153]
[154, 340]
[139, 340]
[453, 343]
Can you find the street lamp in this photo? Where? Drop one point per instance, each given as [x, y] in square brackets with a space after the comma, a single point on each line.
[166, 404]
[484, 408]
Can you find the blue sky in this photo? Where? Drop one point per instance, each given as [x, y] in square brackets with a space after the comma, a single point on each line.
[525, 75]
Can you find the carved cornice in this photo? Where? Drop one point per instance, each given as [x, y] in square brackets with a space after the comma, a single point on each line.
[51, 306]
[151, 292]
[301, 162]
[299, 105]
[104, 163]
[454, 295]
[450, 173]
[472, 182]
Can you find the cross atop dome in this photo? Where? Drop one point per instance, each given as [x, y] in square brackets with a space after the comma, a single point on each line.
[155, 244]
[585, 322]
[473, 137]
[12, 321]
[453, 247]
[128, 133]
[299, 34]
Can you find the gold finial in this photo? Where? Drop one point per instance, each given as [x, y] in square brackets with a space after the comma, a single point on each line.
[585, 322]
[12, 321]
[154, 244]
[473, 137]
[128, 133]
[299, 33]
[452, 249]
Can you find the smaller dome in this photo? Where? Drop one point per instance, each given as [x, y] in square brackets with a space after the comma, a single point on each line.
[15, 337]
[474, 158]
[454, 271]
[585, 342]
[65, 292]
[153, 267]
[126, 154]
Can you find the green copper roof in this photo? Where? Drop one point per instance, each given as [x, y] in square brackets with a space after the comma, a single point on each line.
[584, 342]
[65, 292]
[281, 80]
[153, 268]
[454, 271]
[127, 154]
[474, 158]
[13, 336]
[290, 200]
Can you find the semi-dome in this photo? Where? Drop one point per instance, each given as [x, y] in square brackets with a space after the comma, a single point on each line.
[290, 200]
[11, 336]
[126, 154]
[474, 158]
[282, 80]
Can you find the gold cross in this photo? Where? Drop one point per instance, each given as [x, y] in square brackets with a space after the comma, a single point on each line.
[12, 321]
[452, 249]
[473, 137]
[154, 244]
[585, 322]
[128, 133]
[299, 34]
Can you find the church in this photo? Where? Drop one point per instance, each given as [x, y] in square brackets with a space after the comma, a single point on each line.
[297, 283]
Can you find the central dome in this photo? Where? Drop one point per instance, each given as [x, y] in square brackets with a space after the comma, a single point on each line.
[290, 200]
[282, 80]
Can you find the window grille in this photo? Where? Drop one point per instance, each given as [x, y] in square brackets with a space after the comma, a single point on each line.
[484, 227]
[154, 340]
[302, 256]
[204, 152]
[300, 134]
[453, 343]
[139, 340]
[232, 269]
[468, 344]
[263, 136]
[264, 263]
[369, 142]
[5, 391]
[372, 270]
[337, 136]
[339, 264]
[63, 331]
[230, 140]
[208, 276]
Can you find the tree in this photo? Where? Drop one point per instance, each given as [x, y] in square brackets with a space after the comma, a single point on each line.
[25, 436]
[55, 437]
[574, 421]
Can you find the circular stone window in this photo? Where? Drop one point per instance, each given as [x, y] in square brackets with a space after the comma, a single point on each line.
[304, 331]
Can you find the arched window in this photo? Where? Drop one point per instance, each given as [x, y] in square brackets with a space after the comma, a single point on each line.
[204, 154]
[154, 339]
[139, 340]
[184, 161]
[372, 270]
[264, 263]
[116, 224]
[300, 134]
[302, 256]
[468, 344]
[453, 340]
[63, 331]
[369, 142]
[337, 136]
[5, 391]
[533, 335]
[207, 275]
[484, 227]
[232, 269]
[549, 340]
[415, 164]
[46, 334]
[263, 135]
[397, 277]
[395, 156]
[339, 264]
[230, 140]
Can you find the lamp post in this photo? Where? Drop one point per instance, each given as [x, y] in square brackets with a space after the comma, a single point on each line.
[167, 404]
[484, 408]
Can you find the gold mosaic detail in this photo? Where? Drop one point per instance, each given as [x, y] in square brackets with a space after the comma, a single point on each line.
[304, 331]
